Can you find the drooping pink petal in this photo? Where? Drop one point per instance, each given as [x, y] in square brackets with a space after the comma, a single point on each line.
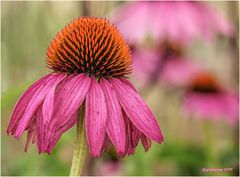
[30, 135]
[107, 144]
[197, 21]
[137, 110]
[36, 99]
[131, 138]
[136, 135]
[145, 142]
[58, 133]
[96, 118]
[45, 143]
[212, 106]
[22, 103]
[115, 124]
[129, 144]
[60, 108]
[39, 128]
[68, 98]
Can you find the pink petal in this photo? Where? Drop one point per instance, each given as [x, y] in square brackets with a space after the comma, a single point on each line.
[107, 144]
[212, 106]
[46, 144]
[128, 83]
[146, 142]
[96, 118]
[115, 125]
[129, 144]
[60, 109]
[133, 136]
[197, 20]
[36, 100]
[68, 98]
[58, 133]
[22, 104]
[127, 15]
[30, 135]
[136, 135]
[137, 110]
[145, 63]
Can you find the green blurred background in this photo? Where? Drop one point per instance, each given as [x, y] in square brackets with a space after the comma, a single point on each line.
[190, 144]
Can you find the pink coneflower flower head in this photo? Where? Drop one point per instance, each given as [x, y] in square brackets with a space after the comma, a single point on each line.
[207, 99]
[89, 61]
[178, 21]
[165, 64]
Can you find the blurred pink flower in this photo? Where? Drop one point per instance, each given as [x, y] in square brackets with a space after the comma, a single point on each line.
[207, 100]
[178, 71]
[153, 66]
[109, 168]
[115, 112]
[178, 21]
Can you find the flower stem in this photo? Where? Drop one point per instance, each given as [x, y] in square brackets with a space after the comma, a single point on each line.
[80, 146]
[209, 143]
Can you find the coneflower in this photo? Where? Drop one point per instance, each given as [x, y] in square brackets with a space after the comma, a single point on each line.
[198, 20]
[206, 98]
[89, 61]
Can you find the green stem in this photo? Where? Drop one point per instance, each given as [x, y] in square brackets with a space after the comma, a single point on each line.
[209, 143]
[80, 146]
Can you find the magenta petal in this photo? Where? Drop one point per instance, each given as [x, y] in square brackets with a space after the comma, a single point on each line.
[36, 99]
[107, 144]
[146, 142]
[136, 135]
[60, 109]
[22, 104]
[128, 83]
[137, 110]
[132, 138]
[115, 125]
[48, 139]
[58, 133]
[96, 118]
[43, 119]
[68, 98]
[30, 135]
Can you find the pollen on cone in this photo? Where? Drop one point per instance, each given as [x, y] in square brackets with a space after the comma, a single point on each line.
[92, 46]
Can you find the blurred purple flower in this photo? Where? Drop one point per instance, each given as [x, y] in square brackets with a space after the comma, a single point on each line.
[206, 99]
[153, 65]
[115, 112]
[178, 21]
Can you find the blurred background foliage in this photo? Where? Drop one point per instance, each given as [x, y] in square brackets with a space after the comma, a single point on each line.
[190, 144]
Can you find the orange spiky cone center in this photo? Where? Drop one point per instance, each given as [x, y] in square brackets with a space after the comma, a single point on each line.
[91, 46]
[205, 82]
